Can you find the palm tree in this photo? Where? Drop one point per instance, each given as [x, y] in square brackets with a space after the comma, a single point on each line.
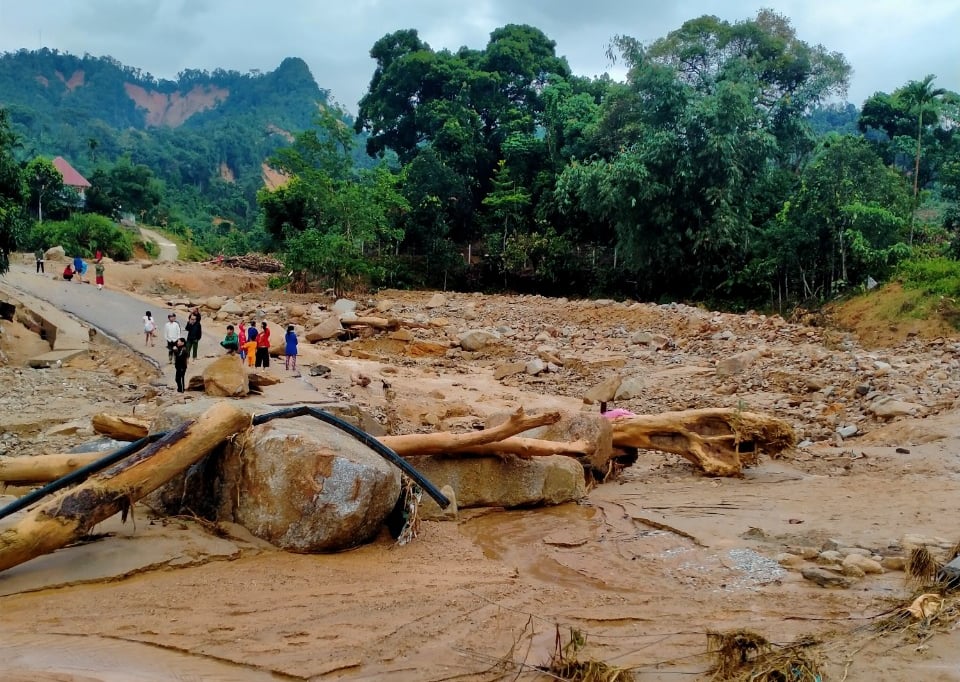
[919, 94]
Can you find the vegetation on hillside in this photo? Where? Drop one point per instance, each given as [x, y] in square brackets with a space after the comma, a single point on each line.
[720, 170]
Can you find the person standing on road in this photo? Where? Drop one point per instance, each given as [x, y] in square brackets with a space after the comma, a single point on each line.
[98, 269]
[250, 343]
[149, 330]
[171, 332]
[194, 333]
[290, 348]
[263, 346]
[180, 354]
[78, 267]
[39, 256]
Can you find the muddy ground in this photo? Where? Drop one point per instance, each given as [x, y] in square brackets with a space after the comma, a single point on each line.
[644, 566]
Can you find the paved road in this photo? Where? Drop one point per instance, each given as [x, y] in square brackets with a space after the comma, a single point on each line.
[168, 250]
[117, 313]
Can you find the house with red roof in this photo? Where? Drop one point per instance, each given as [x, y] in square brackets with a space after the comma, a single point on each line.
[72, 178]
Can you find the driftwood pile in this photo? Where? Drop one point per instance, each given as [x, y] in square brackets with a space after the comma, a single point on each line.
[251, 261]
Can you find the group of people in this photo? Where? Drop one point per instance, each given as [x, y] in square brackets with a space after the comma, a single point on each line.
[253, 345]
[182, 343]
[78, 268]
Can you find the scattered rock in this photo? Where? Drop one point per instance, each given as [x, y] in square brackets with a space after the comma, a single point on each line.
[535, 367]
[863, 563]
[431, 511]
[737, 364]
[55, 253]
[509, 369]
[789, 560]
[830, 556]
[887, 408]
[825, 578]
[603, 392]
[343, 306]
[436, 301]
[630, 388]
[848, 430]
[476, 339]
[894, 563]
[319, 371]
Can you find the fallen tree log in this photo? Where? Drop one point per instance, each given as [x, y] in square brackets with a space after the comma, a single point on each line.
[718, 440]
[440, 442]
[73, 513]
[43, 468]
[46, 468]
[375, 322]
[519, 446]
[120, 427]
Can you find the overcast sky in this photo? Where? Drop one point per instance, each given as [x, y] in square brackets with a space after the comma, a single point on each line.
[887, 42]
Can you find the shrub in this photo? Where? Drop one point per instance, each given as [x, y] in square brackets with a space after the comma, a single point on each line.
[932, 276]
[84, 234]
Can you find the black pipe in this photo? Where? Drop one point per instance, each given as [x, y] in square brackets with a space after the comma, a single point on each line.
[363, 437]
[78, 476]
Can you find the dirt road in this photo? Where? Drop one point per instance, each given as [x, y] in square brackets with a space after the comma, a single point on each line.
[168, 250]
[117, 313]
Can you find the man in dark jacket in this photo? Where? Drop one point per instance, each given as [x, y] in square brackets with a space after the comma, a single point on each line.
[180, 363]
[194, 334]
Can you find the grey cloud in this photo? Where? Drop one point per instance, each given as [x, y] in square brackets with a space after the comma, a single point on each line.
[886, 41]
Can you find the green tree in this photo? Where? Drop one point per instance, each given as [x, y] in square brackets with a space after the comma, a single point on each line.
[847, 220]
[12, 194]
[329, 215]
[44, 181]
[687, 155]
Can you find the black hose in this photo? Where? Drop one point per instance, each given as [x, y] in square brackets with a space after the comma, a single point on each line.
[78, 476]
[83, 473]
[363, 437]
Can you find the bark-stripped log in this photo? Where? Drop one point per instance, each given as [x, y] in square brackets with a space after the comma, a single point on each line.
[720, 441]
[120, 427]
[436, 443]
[72, 514]
[44, 468]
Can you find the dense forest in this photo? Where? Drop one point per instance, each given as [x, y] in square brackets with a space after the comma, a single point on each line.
[199, 142]
[725, 168]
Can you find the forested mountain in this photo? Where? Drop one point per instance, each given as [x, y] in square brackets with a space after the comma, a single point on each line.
[204, 135]
[721, 169]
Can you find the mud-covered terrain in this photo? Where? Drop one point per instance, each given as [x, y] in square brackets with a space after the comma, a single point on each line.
[643, 567]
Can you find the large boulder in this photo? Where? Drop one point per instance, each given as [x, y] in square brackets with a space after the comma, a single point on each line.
[328, 328]
[55, 253]
[231, 307]
[226, 377]
[507, 482]
[307, 486]
[210, 487]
